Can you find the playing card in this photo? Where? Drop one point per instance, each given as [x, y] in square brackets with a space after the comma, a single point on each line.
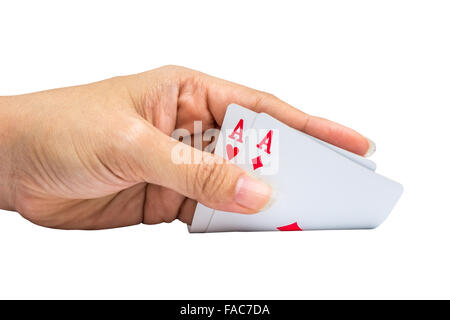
[202, 217]
[315, 187]
[230, 146]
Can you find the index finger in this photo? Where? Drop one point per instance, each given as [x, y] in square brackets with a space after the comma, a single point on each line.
[221, 93]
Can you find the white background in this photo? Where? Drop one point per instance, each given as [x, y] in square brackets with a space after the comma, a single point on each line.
[381, 67]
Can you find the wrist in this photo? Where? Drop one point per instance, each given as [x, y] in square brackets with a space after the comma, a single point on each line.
[8, 135]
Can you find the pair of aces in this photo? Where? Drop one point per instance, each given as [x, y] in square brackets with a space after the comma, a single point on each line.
[316, 185]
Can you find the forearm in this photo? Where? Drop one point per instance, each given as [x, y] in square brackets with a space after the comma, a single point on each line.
[8, 136]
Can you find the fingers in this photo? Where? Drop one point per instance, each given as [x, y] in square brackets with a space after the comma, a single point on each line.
[161, 205]
[221, 93]
[338, 135]
[198, 175]
[187, 210]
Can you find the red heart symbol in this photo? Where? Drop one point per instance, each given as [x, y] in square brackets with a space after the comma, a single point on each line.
[232, 152]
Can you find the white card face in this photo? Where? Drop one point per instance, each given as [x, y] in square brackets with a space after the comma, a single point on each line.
[225, 147]
[316, 188]
[201, 219]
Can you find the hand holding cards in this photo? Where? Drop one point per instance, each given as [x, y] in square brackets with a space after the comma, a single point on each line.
[315, 185]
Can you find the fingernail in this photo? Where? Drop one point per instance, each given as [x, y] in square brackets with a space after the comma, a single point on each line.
[252, 193]
[372, 148]
[271, 201]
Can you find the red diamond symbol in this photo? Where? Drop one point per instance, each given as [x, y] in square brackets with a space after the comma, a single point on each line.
[257, 162]
[291, 227]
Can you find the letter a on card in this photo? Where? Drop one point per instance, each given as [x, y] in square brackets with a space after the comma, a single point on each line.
[238, 130]
[267, 141]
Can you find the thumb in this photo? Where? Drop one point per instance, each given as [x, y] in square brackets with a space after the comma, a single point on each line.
[202, 176]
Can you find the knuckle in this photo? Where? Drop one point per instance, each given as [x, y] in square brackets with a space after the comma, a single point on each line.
[131, 133]
[34, 212]
[122, 151]
[209, 178]
[158, 213]
[263, 99]
[27, 209]
[268, 96]
[172, 69]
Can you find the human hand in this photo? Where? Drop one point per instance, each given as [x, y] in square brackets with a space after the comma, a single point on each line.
[99, 155]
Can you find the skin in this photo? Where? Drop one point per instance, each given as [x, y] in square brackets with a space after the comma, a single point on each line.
[99, 155]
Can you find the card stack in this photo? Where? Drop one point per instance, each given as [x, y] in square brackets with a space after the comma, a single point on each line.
[316, 185]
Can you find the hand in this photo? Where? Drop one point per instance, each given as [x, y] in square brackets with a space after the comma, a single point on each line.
[99, 155]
